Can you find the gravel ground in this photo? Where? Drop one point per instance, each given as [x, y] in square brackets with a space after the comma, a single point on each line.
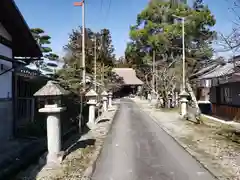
[82, 155]
[209, 145]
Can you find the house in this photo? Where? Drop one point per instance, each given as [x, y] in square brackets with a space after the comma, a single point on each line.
[219, 85]
[131, 82]
[17, 48]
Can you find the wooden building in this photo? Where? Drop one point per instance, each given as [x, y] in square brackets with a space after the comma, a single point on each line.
[26, 106]
[17, 48]
[131, 82]
[220, 87]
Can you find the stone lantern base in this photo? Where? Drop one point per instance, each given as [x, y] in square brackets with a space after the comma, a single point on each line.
[55, 155]
[91, 115]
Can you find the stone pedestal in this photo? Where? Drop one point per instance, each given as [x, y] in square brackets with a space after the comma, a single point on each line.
[104, 104]
[55, 154]
[139, 90]
[104, 100]
[161, 101]
[149, 97]
[176, 99]
[92, 110]
[92, 102]
[110, 100]
[183, 100]
[153, 99]
[169, 102]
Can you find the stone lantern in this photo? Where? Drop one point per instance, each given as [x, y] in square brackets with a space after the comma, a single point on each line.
[183, 100]
[92, 102]
[104, 99]
[169, 100]
[139, 91]
[110, 94]
[52, 93]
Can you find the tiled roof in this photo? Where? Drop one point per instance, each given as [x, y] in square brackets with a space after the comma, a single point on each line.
[206, 69]
[223, 70]
[128, 75]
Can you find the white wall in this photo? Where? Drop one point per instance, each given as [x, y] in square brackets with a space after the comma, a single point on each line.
[5, 79]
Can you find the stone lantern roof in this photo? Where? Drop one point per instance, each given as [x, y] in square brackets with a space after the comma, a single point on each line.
[91, 93]
[104, 93]
[52, 88]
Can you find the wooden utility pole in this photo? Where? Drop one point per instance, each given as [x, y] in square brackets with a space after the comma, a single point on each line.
[183, 52]
[157, 78]
[83, 46]
[102, 60]
[153, 72]
[102, 73]
[95, 65]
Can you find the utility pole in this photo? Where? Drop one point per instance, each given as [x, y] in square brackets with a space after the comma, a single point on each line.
[102, 60]
[83, 47]
[95, 65]
[153, 71]
[183, 54]
[183, 95]
[83, 81]
[82, 4]
[102, 74]
[157, 79]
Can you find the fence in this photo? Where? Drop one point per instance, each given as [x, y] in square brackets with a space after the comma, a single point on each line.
[32, 123]
[25, 110]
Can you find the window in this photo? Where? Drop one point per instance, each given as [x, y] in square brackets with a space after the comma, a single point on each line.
[226, 95]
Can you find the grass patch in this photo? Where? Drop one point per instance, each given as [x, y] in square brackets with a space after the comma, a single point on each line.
[222, 129]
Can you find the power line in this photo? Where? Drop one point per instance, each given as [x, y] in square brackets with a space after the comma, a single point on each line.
[101, 6]
[109, 7]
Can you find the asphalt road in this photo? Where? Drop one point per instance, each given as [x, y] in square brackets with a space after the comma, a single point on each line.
[136, 148]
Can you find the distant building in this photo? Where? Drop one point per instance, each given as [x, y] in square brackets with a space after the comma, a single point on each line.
[131, 82]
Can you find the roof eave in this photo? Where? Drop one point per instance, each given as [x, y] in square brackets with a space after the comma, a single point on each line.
[24, 44]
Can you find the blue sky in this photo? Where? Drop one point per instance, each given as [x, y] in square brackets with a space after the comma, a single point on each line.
[59, 17]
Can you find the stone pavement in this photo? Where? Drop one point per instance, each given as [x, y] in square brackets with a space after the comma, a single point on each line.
[208, 145]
